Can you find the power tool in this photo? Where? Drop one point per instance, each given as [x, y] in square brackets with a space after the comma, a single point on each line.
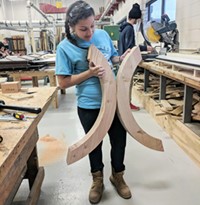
[165, 31]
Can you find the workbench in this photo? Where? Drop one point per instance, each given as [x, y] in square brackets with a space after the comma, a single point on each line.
[32, 66]
[18, 151]
[19, 67]
[36, 75]
[187, 78]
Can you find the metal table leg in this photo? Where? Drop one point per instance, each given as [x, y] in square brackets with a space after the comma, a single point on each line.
[162, 95]
[146, 79]
[187, 107]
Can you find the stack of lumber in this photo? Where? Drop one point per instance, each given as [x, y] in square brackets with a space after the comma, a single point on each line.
[18, 42]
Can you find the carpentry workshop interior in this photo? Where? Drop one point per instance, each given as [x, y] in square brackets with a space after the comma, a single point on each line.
[74, 74]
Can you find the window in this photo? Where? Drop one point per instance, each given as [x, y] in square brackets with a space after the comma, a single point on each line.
[170, 9]
[156, 8]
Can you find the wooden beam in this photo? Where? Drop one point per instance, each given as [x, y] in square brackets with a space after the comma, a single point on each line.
[124, 78]
[106, 114]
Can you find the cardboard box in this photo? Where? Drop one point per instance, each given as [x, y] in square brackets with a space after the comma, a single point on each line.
[11, 87]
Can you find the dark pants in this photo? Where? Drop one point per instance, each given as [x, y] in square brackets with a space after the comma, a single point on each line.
[117, 135]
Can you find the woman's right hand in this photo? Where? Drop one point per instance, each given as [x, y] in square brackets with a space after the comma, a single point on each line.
[96, 70]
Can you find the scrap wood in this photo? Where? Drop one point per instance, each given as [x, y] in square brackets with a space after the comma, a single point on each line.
[195, 111]
[152, 94]
[149, 89]
[155, 92]
[162, 113]
[139, 87]
[168, 83]
[174, 89]
[138, 83]
[154, 82]
[196, 117]
[179, 109]
[197, 106]
[153, 77]
[166, 105]
[138, 77]
[154, 85]
[175, 102]
[196, 96]
[174, 95]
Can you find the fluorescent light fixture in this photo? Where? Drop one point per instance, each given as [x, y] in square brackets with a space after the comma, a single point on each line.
[16, 0]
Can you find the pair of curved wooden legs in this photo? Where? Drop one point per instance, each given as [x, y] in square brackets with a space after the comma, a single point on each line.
[115, 95]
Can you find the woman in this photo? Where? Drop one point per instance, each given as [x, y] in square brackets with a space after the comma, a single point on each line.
[72, 68]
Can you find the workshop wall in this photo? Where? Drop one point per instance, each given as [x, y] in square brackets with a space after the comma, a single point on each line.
[187, 17]
[1, 11]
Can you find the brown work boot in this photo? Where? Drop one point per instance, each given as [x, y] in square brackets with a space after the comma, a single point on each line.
[97, 187]
[118, 181]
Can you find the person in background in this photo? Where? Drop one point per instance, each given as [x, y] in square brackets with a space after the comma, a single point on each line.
[7, 47]
[5, 41]
[3, 51]
[72, 68]
[127, 37]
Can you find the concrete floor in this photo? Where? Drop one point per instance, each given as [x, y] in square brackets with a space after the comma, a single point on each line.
[154, 178]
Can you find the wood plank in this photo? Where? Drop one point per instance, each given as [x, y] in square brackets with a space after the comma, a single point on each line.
[175, 102]
[196, 117]
[36, 188]
[197, 106]
[106, 114]
[179, 109]
[124, 78]
[166, 106]
[196, 96]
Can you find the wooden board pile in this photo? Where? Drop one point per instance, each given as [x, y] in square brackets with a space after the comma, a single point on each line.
[173, 104]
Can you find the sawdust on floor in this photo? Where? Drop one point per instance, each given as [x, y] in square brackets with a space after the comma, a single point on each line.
[51, 150]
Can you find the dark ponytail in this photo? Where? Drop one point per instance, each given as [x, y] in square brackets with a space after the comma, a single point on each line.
[68, 33]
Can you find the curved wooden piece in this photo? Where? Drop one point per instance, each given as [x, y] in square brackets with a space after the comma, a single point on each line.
[106, 114]
[124, 78]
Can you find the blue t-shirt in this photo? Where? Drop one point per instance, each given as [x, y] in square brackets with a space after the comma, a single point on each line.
[71, 59]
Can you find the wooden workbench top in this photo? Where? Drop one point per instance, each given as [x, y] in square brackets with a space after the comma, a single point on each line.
[17, 133]
[178, 75]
